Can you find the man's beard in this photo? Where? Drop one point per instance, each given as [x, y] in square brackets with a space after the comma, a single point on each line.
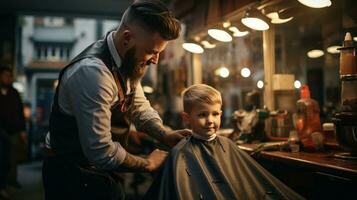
[131, 68]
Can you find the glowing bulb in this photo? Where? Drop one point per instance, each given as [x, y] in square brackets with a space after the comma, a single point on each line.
[222, 72]
[220, 35]
[226, 24]
[207, 45]
[275, 19]
[192, 47]
[255, 23]
[333, 49]
[315, 53]
[260, 84]
[148, 89]
[297, 84]
[245, 72]
[316, 3]
[237, 32]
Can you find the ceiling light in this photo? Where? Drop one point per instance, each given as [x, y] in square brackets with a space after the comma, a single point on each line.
[297, 84]
[275, 19]
[237, 32]
[222, 72]
[226, 24]
[207, 44]
[220, 35]
[245, 72]
[355, 38]
[148, 89]
[315, 53]
[333, 49]
[260, 84]
[255, 20]
[192, 47]
[316, 3]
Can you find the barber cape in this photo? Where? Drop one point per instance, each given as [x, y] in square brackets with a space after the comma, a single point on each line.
[216, 169]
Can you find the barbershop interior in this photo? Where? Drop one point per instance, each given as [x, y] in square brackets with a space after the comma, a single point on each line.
[286, 71]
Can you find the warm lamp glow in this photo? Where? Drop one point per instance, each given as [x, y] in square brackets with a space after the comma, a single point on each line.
[237, 32]
[245, 72]
[255, 23]
[222, 72]
[260, 84]
[316, 3]
[315, 53]
[148, 89]
[207, 44]
[333, 49]
[193, 47]
[220, 35]
[275, 19]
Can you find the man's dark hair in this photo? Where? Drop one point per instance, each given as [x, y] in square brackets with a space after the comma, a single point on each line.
[153, 16]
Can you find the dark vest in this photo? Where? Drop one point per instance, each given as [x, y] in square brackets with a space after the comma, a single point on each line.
[64, 137]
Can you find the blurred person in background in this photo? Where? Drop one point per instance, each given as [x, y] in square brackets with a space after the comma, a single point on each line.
[12, 129]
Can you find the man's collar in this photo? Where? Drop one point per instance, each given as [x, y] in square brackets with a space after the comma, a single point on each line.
[113, 50]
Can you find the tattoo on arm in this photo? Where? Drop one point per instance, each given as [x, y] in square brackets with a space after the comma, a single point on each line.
[133, 163]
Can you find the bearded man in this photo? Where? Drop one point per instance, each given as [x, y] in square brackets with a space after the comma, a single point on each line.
[98, 96]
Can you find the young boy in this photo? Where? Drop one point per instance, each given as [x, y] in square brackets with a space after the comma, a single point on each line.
[208, 166]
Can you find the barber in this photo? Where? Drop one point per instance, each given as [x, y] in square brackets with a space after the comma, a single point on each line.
[98, 96]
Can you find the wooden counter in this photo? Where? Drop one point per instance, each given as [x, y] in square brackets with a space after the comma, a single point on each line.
[313, 175]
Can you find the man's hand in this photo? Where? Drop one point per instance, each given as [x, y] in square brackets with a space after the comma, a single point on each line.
[155, 160]
[173, 137]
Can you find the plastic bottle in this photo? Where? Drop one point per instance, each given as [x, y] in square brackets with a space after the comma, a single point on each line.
[307, 121]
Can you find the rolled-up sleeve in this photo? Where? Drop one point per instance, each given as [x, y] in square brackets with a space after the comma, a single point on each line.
[91, 92]
[142, 112]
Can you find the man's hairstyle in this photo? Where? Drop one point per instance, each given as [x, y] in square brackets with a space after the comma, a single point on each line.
[200, 93]
[153, 16]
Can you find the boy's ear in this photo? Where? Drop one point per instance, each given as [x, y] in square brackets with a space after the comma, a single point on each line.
[185, 117]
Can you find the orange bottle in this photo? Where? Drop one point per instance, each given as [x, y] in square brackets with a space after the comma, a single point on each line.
[307, 121]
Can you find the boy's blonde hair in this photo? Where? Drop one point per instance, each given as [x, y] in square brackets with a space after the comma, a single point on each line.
[200, 93]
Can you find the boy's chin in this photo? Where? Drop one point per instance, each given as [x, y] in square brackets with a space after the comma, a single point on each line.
[205, 134]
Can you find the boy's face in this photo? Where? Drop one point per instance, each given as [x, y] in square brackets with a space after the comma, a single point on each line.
[204, 119]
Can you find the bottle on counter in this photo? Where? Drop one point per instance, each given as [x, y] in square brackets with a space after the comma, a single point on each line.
[307, 121]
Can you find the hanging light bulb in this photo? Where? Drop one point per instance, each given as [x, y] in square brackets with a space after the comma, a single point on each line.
[260, 84]
[192, 47]
[237, 32]
[297, 84]
[147, 89]
[255, 20]
[207, 44]
[245, 72]
[226, 24]
[333, 49]
[222, 72]
[316, 3]
[220, 35]
[315, 53]
[275, 19]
